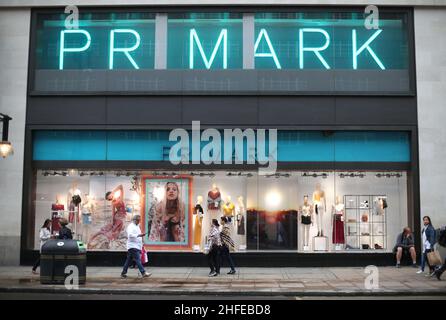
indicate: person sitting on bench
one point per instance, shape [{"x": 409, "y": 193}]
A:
[{"x": 405, "y": 246}]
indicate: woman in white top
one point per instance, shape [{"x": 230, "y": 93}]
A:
[{"x": 44, "y": 235}]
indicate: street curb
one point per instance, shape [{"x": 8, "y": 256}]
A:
[{"x": 225, "y": 292}]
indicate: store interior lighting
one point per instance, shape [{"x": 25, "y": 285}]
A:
[{"x": 5, "y": 146}]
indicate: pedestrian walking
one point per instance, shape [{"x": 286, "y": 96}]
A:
[
  {"x": 134, "y": 247},
  {"x": 441, "y": 242},
  {"x": 428, "y": 242},
  {"x": 214, "y": 244},
  {"x": 44, "y": 235},
  {"x": 227, "y": 244}
]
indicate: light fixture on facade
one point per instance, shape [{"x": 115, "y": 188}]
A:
[
  {"x": 5, "y": 146},
  {"x": 343, "y": 175},
  {"x": 389, "y": 175},
  {"x": 323, "y": 175},
  {"x": 239, "y": 174}
]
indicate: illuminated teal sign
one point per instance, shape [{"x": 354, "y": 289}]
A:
[{"x": 321, "y": 41}]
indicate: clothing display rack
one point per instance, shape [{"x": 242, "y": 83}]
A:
[{"x": 365, "y": 222}]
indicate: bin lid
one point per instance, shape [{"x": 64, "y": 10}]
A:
[{"x": 59, "y": 246}]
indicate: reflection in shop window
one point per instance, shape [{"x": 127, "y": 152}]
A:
[{"x": 298, "y": 211}]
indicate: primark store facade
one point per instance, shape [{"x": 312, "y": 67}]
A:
[{"x": 315, "y": 129}]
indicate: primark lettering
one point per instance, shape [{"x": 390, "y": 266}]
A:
[{"x": 316, "y": 52}]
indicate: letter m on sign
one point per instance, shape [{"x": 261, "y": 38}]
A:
[{"x": 194, "y": 39}]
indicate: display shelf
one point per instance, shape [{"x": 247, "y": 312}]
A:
[{"x": 358, "y": 208}]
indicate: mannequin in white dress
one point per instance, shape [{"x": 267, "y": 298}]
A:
[{"x": 319, "y": 204}]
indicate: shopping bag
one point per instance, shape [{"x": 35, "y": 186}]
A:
[
  {"x": 144, "y": 256},
  {"x": 206, "y": 248},
  {"x": 434, "y": 258}
]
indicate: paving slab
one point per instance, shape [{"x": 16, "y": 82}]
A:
[{"x": 247, "y": 281}]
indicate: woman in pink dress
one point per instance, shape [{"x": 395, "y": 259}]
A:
[{"x": 112, "y": 230}]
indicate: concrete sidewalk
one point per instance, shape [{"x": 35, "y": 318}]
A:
[{"x": 247, "y": 281}]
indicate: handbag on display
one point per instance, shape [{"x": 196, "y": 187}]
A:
[
  {"x": 434, "y": 258},
  {"x": 384, "y": 203},
  {"x": 365, "y": 217}
]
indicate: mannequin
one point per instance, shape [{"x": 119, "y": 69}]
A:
[
  {"x": 87, "y": 213},
  {"x": 338, "y": 221},
  {"x": 56, "y": 214},
  {"x": 241, "y": 211},
  {"x": 198, "y": 221},
  {"x": 319, "y": 208},
  {"x": 228, "y": 208},
  {"x": 214, "y": 198},
  {"x": 306, "y": 215},
  {"x": 74, "y": 208}
]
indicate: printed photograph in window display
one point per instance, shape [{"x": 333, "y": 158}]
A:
[
  {"x": 166, "y": 202},
  {"x": 104, "y": 220}
]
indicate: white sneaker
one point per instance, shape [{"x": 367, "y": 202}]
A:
[{"x": 420, "y": 271}]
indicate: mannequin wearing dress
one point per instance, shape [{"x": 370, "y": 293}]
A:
[
  {"x": 73, "y": 208},
  {"x": 319, "y": 204},
  {"x": 306, "y": 215},
  {"x": 338, "y": 222},
  {"x": 198, "y": 221},
  {"x": 240, "y": 219}
]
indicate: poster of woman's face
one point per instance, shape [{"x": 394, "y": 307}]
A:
[{"x": 166, "y": 212}]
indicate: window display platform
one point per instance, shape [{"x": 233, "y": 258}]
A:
[{"x": 245, "y": 259}]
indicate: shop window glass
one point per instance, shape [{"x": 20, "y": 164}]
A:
[{"x": 296, "y": 211}]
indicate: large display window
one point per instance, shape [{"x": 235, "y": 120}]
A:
[{"x": 296, "y": 211}]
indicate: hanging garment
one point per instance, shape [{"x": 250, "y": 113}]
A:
[
  {"x": 56, "y": 211},
  {"x": 198, "y": 225},
  {"x": 198, "y": 209},
  {"x": 214, "y": 200},
  {"x": 338, "y": 225},
  {"x": 241, "y": 225},
  {"x": 228, "y": 209}
]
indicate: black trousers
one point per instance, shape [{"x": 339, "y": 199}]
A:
[
  {"x": 442, "y": 268},
  {"x": 226, "y": 255},
  {"x": 214, "y": 259},
  {"x": 36, "y": 264}
]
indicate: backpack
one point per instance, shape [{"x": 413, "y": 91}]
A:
[{"x": 442, "y": 237}]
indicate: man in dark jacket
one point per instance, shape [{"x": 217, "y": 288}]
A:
[
  {"x": 441, "y": 242},
  {"x": 64, "y": 232},
  {"x": 405, "y": 245}
]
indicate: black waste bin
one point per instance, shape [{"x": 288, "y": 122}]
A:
[{"x": 56, "y": 255}]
